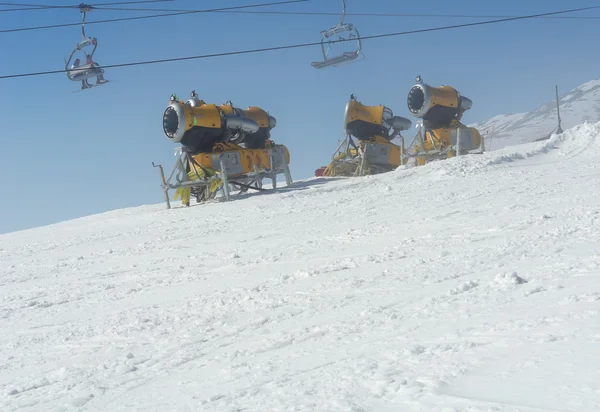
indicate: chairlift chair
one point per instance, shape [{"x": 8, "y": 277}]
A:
[
  {"x": 346, "y": 32},
  {"x": 84, "y": 71}
]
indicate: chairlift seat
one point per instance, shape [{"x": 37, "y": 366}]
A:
[
  {"x": 84, "y": 72},
  {"x": 336, "y": 61},
  {"x": 346, "y": 32}
]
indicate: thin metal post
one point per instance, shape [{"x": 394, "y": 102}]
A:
[
  {"x": 164, "y": 184},
  {"x": 559, "y": 130},
  {"x": 258, "y": 177},
  {"x": 286, "y": 170},
  {"x": 363, "y": 159},
  {"x": 225, "y": 179},
  {"x": 273, "y": 170},
  {"x": 402, "y": 151},
  {"x": 458, "y": 142}
]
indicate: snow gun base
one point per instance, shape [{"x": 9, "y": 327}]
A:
[
  {"x": 228, "y": 166},
  {"x": 368, "y": 157}
]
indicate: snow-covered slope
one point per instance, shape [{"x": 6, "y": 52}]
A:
[
  {"x": 580, "y": 105},
  {"x": 465, "y": 285}
]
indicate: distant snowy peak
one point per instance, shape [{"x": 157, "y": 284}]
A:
[{"x": 579, "y": 105}]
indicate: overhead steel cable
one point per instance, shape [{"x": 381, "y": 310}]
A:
[
  {"x": 49, "y": 7},
  {"x": 460, "y": 16},
  {"x": 153, "y": 16},
  {"x": 295, "y": 46},
  {"x": 331, "y": 13},
  {"x": 287, "y": 13}
]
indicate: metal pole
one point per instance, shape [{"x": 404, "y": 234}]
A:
[
  {"x": 273, "y": 170},
  {"x": 458, "y": 142},
  {"x": 559, "y": 130},
  {"x": 402, "y": 150},
  {"x": 225, "y": 179},
  {"x": 164, "y": 185},
  {"x": 286, "y": 170},
  {"x": 258, "y": 177}
]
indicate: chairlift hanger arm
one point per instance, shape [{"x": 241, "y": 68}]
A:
[{"x": 84, "y": 8}]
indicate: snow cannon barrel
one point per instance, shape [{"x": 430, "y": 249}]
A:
[
  {"x": 264, "y": 123},
  {"x": 438, "y": 105},
  {"x": 365, "y": 122}
]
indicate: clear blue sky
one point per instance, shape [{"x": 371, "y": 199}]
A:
[{"x": 66, "y": 155}]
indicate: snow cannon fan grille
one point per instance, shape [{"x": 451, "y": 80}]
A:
[
  {"x": 416, "y": 100},
  {"x": 170, "y": 122}
]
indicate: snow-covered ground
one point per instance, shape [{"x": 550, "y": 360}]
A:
[
  {"x": 470, "y": 285},
  {"x": 577, "y": 106}
]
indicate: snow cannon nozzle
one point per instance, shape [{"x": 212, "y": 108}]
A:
[{"x": 173, "y": 119}]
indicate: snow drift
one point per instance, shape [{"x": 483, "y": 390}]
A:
[{"x": 465, "y": 285}]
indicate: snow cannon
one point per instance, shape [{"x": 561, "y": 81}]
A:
[
  {"x": 366, "y": 122},
  {"x": 198, "y": 126},
  {"x": 441, "y": 109},
  {"x": 437, "y": 106},
  {"x": 222, "y": 147},
  {"x": 374, "y": 127}
]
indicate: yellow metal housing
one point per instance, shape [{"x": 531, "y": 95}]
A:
[
  {"x": 206, "y": 115},
  {"x": 227, "y": 109},
  {"x": 258, "y": 115},
  {"x": 358, "y": 111},
  {"x": 443, "y": 96},
  {"x": 248, "y": 158}
]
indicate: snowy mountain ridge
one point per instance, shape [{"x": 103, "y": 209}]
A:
[{"x": 577, "y": 106}]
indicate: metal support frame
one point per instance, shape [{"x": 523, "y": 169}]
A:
[
  {"x": 182, "y": 181},
  {"x": 437, "y": 153},
  {"x": 344, "y": 147},
  {"x": 360, "y": 161}
]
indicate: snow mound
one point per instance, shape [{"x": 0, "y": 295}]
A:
[{"x": 464, "y": 285}]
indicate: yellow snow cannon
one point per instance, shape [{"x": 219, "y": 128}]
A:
[
  {"x": 441, "y": 109},
  {"x": 224, "y": 141},
  {"x": 374, "y": 127}
]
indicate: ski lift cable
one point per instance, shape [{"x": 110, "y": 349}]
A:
[
  {"x": 459, "y": 16},
  {"x": 103, "y": 8},
  {"x": 51, "y": 7},
  {"x": 295, "y": 46},
  {"x": 282, "y": 13},
  {"x": 153, "y": 16}
]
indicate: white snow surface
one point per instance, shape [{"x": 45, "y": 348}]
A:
[
  {"x": 579, "y": 105},
  {"x": 471, "y": 284}
]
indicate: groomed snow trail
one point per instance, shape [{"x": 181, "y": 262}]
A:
[{"x": 471, "y": 284}]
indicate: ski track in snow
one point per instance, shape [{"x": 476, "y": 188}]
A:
[{"x": 464, "y": 285}]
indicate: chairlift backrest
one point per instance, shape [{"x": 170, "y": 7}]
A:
[{"x": 346, "y": 32}]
